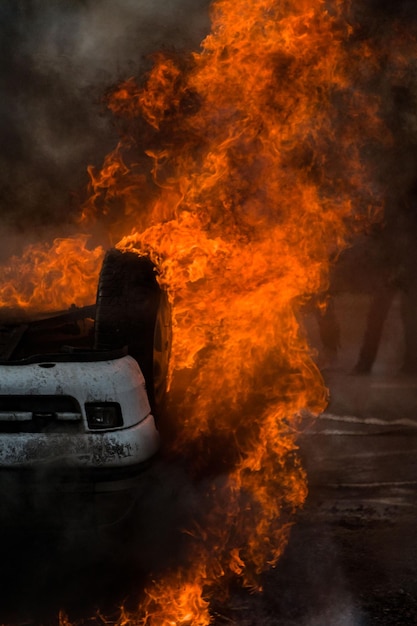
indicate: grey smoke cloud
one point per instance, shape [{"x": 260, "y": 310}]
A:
[
  {"x": 58, "y": 59},
  {"x": 98, "y": 40}
]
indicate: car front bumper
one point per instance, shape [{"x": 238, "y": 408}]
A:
[{"x": 110, "y": 450}]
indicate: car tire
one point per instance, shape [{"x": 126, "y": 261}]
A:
[{"x": 133, "y": 311}]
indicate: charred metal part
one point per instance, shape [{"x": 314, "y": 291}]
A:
[{"x": 12, "y": 342}]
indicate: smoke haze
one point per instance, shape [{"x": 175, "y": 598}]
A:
[{"x": 58, "y": 60}]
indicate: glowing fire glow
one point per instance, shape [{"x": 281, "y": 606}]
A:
[
  {"x": 51, "y": 278},
  {"x": 256, "y": 177}
]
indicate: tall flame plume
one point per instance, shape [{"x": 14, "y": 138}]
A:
[{"x": 242, "y": 170}]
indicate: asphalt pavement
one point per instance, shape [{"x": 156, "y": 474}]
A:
[{"x": 352, "y": 557}]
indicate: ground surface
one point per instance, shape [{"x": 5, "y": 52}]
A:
[{"x": 352, "y": 555}]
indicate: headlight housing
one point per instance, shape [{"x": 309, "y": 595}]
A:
[{"x": 103, "y": 415}]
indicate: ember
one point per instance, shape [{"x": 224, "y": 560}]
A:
[{"x": 241, "y": 171}]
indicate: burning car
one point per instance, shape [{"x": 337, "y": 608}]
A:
[{"x": 79, "y": 389}]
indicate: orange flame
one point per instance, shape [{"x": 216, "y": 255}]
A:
[
  {"x": 49, "y": 278},
  {"x": 254, "y": 174},
  {"x": 262, "y": 178}
]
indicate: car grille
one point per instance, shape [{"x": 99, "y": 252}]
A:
[{"x": 39, "y": 414}]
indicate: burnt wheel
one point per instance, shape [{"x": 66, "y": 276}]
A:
[{"x": 132, "y": 310}]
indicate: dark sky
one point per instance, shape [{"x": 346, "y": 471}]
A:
[{"x": 58, "y": 59}]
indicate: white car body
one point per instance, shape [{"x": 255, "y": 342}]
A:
[
  {"x": 75, "y": 415},
  {"x": 43, "y": 414}
]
